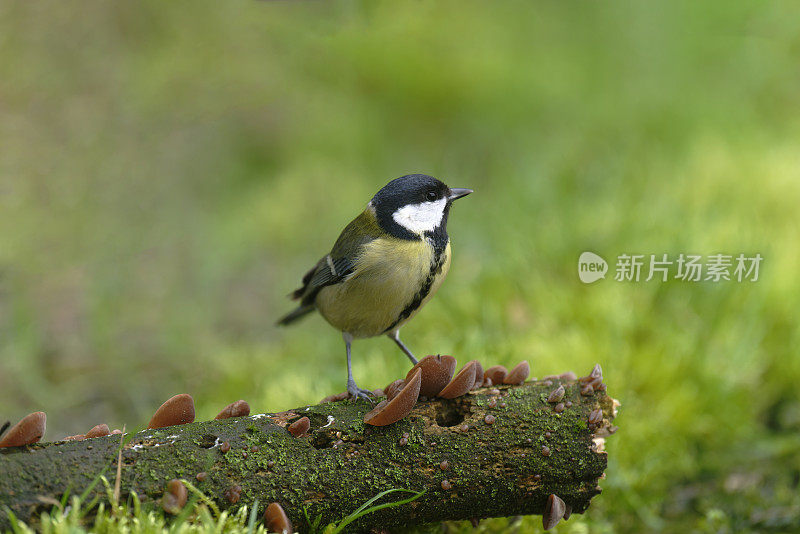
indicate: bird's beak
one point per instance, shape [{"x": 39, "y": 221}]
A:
[{"x": 458, "y": 193}]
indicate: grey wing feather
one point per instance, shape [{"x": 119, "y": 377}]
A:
[
  {"x": 336, "y": 266},
  {"x": 327, "y": 271}
]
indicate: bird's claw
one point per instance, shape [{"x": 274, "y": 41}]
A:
[{"x": 358, "y": 393}]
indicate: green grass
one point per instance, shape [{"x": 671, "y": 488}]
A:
[
  {"x": 200, "y": 514},
  {"x": 169, "y": 171}
]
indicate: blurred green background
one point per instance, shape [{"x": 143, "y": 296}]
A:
[{"x": 169, "y": 170}]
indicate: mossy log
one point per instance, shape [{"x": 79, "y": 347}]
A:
[{"x": 493, "y": 452}]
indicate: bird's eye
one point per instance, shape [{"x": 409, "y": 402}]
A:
[{"x": 431, "y": 195}]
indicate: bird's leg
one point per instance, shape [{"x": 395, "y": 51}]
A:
[
  {"x": 395, "y": 336},
  {"x": 354, "y": 391}
]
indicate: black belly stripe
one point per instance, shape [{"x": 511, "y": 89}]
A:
[{"x": 437, "y": 262}]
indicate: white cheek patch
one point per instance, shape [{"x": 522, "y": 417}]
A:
[{"x": 422, "y": 217}]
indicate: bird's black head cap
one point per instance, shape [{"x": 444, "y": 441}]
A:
[{"x": 410, "y": 190}]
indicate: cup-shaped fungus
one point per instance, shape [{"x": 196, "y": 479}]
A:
[
  {"x": 596, "y": 417},
  {"x": 478, "y": 375},
  {"x": 390, "y": 411},
  {"x": 177, "y": 410},
  {"x": 29, "y": 430},
  {"x": 299, "y": 427},
  {"x": 336, "y": 397},
  {"x": 239, "y": 408},
  {"x": 233, "y": 494},
  {"x": 98, "y": 431},
  {"x": 553, "y": 511},
  {"x": 174, "y": 498},
  {"x": 556, "y": 395},
  {"x": 436, "y": 373},
  {"x": 518, "y": 374},
  {"x": 394, "y": 388},
  {"x": 462, "y": 382},
  {"x": 496, "y": 373},
  {"x": 276, "y": 519},
  {"x": 594, "y": 378}
]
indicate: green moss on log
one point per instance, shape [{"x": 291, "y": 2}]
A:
[{"x": 495, "y": 469}]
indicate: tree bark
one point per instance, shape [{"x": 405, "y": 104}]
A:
[{"x": 493, "y": 452}]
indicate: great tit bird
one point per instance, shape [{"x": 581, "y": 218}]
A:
[{"x": 387, "y": 264}]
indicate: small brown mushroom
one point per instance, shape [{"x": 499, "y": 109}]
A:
[
  {"x": 174, "y": 498},
  {"x": 587, "y": 390},
  {"x": 76, "y": 437},
  {"x": 558, "y": 408},
  {"x": 388, "y": 412},
  {"x": 556, "y": 395},
  {"x": 597, "y": 371},
  {"x": 394, "y": 388},
  {"x": 335, "y": 397},
  {"x": 596, "y": 417},
  {"x": 518, "y": 374},
  {"x": 436, "y": 373},
  {"x": 299, "y": 427},
  {"x": 276, "y": 519},
  {"x": 177, "y": 410},
  {"x": 116, "y": 431},
  {"x": 98, "y": 431},
  {"x": 553, "y": 511},
  {"x": 478, "y": 374},
  {"x": 569, "y": 375},
  {"x": 496, "y": 373},
  {"x": 595, "y": 377},
  {"x": 233, "y": 494},
  {"x": 29, "y": 430},
  {"x": 462, "y": 382},
  {"x": 239, "y": 408}
]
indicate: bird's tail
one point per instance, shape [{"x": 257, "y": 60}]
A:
[{"x": 297, "y": 313}]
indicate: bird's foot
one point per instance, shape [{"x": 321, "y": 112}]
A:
[{"x": 358, "y": 393}]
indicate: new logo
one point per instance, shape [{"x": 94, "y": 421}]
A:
[{"x": 591, "y": 267}]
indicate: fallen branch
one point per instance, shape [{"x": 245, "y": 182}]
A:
[{"x": 493, "y": 452}]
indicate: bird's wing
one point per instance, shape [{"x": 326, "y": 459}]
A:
[
  {"x": 336, "y": 266},
  {"x": 329, "y": 270}
]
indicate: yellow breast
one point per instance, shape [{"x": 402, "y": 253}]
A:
[{"x": 393, "y": 278}]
